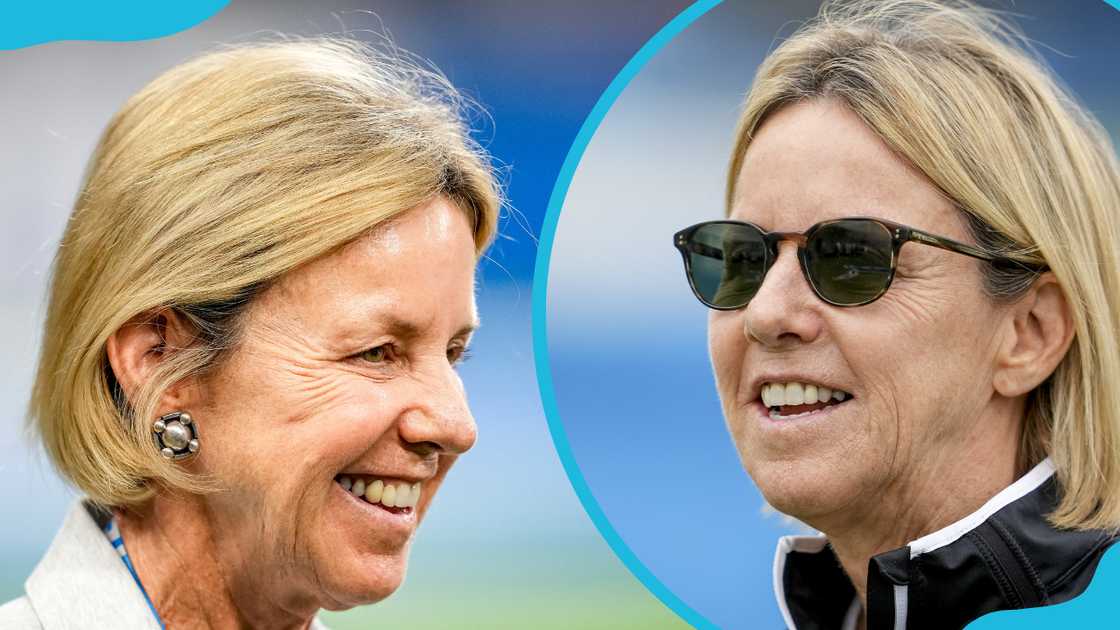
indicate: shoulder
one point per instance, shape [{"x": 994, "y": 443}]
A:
[
  {"x": 82, "y": 582},
  {"x": 19, "y": 615}
]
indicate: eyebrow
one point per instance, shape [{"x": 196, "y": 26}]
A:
[{"x": 406, "y": 329}]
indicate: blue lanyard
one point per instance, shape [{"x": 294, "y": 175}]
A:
[{"x": 113, "y": 533}]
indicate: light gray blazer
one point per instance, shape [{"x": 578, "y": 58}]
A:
[{"x": 82, "y": 583}]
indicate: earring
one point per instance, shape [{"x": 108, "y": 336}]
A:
[{"x": 175, "y": 435}]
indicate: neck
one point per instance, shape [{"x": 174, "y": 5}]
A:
[
  {"x": 938, "y": 488},
  {"x": 190, "y": 580}
]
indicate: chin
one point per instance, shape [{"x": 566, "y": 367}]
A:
[
  {"x": 804, "y": 489},
  {"x": 364, "y": 583}
]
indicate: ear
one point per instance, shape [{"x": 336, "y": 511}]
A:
[
  {"x": 1041, "y": 331},
  {"x": 136, "y": 349}
]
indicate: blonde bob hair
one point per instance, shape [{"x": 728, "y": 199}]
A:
[
  {"x": 954, "y": 90},
  {"x": 213, "y": 181}
]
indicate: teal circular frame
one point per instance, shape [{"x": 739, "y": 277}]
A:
[
  {"x": 1074, "y": 609},
  {"x": 540, "y": 303}
]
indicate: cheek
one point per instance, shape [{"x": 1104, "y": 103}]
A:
[
  {"x": 925, "y": 367},
  {"x": 726, "y": 347},
  {"x": 274, "y": 433},
  {"x": 432, "y": 486},
  {"x": 327, "y": 400}
]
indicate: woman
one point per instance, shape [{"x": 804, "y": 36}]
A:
[
  {"x": 915, "y": 303},
  {"x": 249, "y": 354}
]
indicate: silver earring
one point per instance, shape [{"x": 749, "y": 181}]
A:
[{"x": 175, "y": 435}]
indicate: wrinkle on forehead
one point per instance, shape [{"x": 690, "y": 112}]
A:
[{"x": 818, "y": 160}]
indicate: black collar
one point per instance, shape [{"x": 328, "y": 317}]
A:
[{"x": 1004, "y": 555}]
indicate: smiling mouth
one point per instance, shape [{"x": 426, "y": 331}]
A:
[
  {"x": 788, "y": 401},
  {"x": 398, "y": 498}
]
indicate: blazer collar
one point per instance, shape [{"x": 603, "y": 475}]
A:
[{"x": 81, "y": 577}]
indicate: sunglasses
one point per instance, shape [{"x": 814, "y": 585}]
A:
[{"x": 847, "y": 262}]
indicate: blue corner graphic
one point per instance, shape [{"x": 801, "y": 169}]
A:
[
  {"x": 30, "y": 23},
  {"x": 1092, "y": 609}
]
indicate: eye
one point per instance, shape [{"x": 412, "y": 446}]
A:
[
  {"x": 458, "y": 354},
  {"x": 377, "y": 354}
]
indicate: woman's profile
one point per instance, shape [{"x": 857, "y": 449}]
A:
[{"x": 249, "y": 357}]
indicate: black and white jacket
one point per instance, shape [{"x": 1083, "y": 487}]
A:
[{"x": 1003, "y": 556}]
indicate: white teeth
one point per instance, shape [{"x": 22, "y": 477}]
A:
[
  {"x": 777, "y": 395},
  {"x": 782, "y": 394},
  {"x": 374, "y": 490},
  {"x": 401, "y": 495},
  {"x": 795, "y": 394}
]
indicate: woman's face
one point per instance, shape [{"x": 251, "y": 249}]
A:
[
  {"x": 346, "y": 369},
  {"x": 917, "y": 363}
]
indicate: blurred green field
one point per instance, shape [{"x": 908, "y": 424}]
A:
[
  {"x": 542, "y": 585},
  {"x": 577, "y": 584},
  {"x": 508, "y": 606}
]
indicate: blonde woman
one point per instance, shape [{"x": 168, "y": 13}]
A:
[
  {"x": 249, "y": 355},
  {"x": 915, "y": 307}
]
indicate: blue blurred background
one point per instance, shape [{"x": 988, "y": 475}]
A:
[
  {"x": 626, "y": 339},
  {"x": 507, "y": 544}
]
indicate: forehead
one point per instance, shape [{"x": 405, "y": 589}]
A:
[
  {"x": 817, "y": 160},
  {"x": 417, "y": 268}
]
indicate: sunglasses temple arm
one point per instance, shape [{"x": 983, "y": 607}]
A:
[{"x": 949, "y": 244}]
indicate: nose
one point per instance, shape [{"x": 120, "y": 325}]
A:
[
  {"x": 439, "y": 421},
  {"x": 783, "y": 312}
]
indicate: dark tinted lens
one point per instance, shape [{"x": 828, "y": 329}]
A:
[
  {"x": 850, "y": 261},
  {"x": 727, "y": 263}
]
